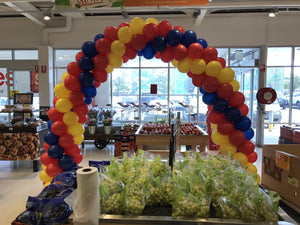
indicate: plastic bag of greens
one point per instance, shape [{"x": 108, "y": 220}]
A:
[
  {"x": 155, "y": 192},
  {"x": 228, "y": 208},
  {"x": 168, "y": 190}
]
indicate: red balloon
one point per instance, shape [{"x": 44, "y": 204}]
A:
[
  {"x": 150, "y": 31},
  {"x": 46, "y": 159},
  {"x": 53, "y": 169},
  {"x": 138, "y": 42},
  {"x": 244, "y": 109},
  {"x": 100, "y": 61},
  {"x": 198, "y": 80},
  {"x": 167, "y": 55},
  {"x": 125, "y": 60},
  {"x": 195, "y": 51},
  {"x": 97, "y": 84},
  {"x": 211, "y": 84},
  {"x": 190, "y": 74},
  {"x": 100, "y": 75},
  {"x": 66, "y": 141},
  {"x": 237, "y": 137},
  {"x": 55, "y": 115},
  {"x": 179, "y": 52},
  {"x": 72, "y": 83},
  {"x": 209, "y": 107},
  {"x": 76, "y": 98},
  {"x": 103, "y": 46},
  {"x": 125, "y": 24},
  {"x": 210, "y": 54},
  {"x": 59, "y": 128},
  {"x": 74, "y": 69},
  {"x": 225, "y": 90},
  {"x": 180, "y": 28},
  {"x": 82, "y": 119},
  {"x": 252, "y": 157},
  {"x": 55, "y": 99},
  {"x": 236, "y": 99},
  {"x": 247, "y": 147},
  {"x": 164, "y": 27},
  {"x": 79, "y": 55},
  {"x": 81, "y": 110},
  {"x": 215, "y": 117},
  {"x": 111, "y": 33},
  {"x": 77, "y": 158},
  {"x": 73, "y": 150},
  {"x": 157, "y": 55},
  {"x": 130, "y": 52},
  {"x": 225, "y": 127},
  {"x": 46, "y": 146},
  {"x": 222, "y": 62}
]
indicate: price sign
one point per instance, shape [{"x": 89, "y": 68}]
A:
[{"x": 283, "y": 161}]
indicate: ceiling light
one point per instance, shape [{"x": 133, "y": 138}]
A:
[
  {"x": 273, "y": 13},
  {"x": 47, "y": 17}
]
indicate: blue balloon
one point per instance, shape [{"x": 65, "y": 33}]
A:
[
  {"x": 88, "y": 48},
  {"x": 243, "y": 124},
  {"x": 209, "y": 98},
  {"x": 65, "y": 162},
  {"x": 88, "y": 101},
  {"x": 89, "y": 92},
  {"x": 50, "y": 138},
  {"x": 97, "y": 37},
  {"x": 249, "y": 134},
  {"x": 202, "y": 42},
  {"x": 201, "y": 89},
  {"x": 86, "y": 63},
  {"x": 55, "y": 151},
  {"x": 159, "y": 43},
  {"x": 86, "y": 79},
  {"x": 148, "y": 51},
  {"x": 140, "y": 52},
  {"x": 188, "y": 38},
  {"x": 174, "y": 37},
  {"x": 220, "y": 105},
  {"x": 49, "y": 124},
  {"x": 233, "y": 114}
]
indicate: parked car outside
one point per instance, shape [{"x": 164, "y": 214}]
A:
[
  {"x": 282, "y": 100},
  {"x": 272, "y": 113}
]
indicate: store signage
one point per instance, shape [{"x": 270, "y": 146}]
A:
[
  {"x": 266, "y": 95},
  {"x": 283, "y": 161},
  {"x": 66, "y": 4},
  {"x": 164, "y": 2},
  {"x": 44, "y": 68},
  {"x": 3, "y": 79},
  {"x": 34, "y": 82},
  {"x": 36, "y": 68}
]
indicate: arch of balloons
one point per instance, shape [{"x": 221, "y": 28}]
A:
[{"x": 150, "y": 38}]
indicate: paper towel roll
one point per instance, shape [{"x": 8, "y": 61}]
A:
[{"x": 86, "y": 211}]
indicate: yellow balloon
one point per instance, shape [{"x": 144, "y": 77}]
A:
[
  {"x": 151, "y": 20},
  {"x": 219, "y": 139},
  {"x": 117, "y": 48},
  {"x": 226, "y": 75},
  {"x": 109, "y": 69},
  {"x": 76, "y": 129},
  {"x": 251, "y": 168},
  {"x": 184, "y": 65},
  {"x": 198, "y": 66},
  {"x": 70, "y": 118},
  {"x": 225, "y": 148},
  {"x": 64, "y": 76},
  {"x": 258, "y": 178},
  {"x": 61, "y": 91},
  {"x": 235, "y": 84},
  {"x": 78, "y": 139},
  {"x": 63, "y": 105},
  {"x": 43, "y": 166},
  {"x": 174, "y": 62},
  {"x": 44, "y": 176},
  {"x": 242, "y": 157},
  {"x": 125, "y": 34},
  {"x": 136, "y": 25},
  {"x": 213, "y": 68},
  {"x": 114, "y": 60},
  {"x": 214, "y": 126},
  {"x": 46, "y": 184}
]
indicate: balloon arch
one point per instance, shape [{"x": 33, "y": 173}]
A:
[{"x": 226, "y": 109}]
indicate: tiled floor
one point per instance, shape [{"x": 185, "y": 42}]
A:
[{"x": 18, "y": 181}]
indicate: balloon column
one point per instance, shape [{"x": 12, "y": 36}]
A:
[{"x": 149, "y": 39}]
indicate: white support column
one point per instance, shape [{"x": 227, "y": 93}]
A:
[{"x": 46, "y": 78}]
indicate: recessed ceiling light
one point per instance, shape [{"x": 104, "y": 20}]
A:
[
  {"x": 47, "y": 17},
  {"x": 272, "y": 14}
]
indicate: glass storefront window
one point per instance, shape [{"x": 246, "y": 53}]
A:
[
  {"x": 279, "y": 56},
  {"x": 153, "y": 63},
  {"x": 132, "y": 63},
  {"x": 244, "y": 56},
  {"x": 5, "y": 55},
  {"x": 297, "y": 56},
  {"x": 223, "y": 53},
  {"x": 63, "y": 57},
  {"x": 26, "y": 54}
]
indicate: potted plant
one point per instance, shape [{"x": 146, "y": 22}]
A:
[
  {"x": 107, "y": 125},
  {"x": 92, "y": 124}
]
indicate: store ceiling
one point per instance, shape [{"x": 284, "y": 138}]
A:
[{"x": 35, "y": 10}]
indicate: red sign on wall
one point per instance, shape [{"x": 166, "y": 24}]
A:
[{"x": 34, "y": 82}]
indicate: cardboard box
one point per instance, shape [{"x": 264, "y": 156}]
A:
[{"x": 281, "y": 171}]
